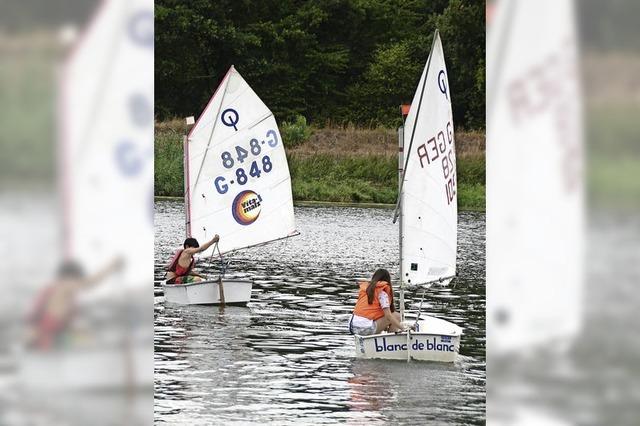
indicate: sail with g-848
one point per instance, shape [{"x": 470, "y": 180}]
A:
[
  {"x": 237, "y": 177},
  {"x": 237, "y": 185}
]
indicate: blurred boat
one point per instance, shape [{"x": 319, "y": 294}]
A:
[
  {"x": 99, "y": 369},
  {"x": 428, "y": 213},
  {"x": 237, "y": 185},
  {"x": 105, "y": 162}
]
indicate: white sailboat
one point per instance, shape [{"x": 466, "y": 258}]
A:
[
  {"x": 428, "y": 213},
  {"x": 106, "y": 186},
  {"x": 237, "y": 185}
]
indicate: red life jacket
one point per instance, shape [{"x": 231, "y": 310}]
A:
[
  {"x": 47, "y": 326},
  {"x": 174, "y": 267},
  {"x": 374, "y": 310}
]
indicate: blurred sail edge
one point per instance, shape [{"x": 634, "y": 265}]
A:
[{"x": 82, "y": 238}]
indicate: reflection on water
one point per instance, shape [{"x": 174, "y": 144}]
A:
[
  {"x": 288, "y": 358},
  {"x": 592, "y": 380}
]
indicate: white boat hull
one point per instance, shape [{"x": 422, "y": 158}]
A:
[
  {"x": 88, "y": 369},
  {"x": 236, "y": 292},
  {"x": 434, "y": 340}
]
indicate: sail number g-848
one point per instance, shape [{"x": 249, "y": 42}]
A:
[
  {"x": 254, "y": 169},
  {"x": 441, "y": 148}
]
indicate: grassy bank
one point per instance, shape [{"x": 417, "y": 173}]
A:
[{"x": 348, "y": 165}]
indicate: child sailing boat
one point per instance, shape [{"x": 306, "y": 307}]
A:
[{"x": 180, "y": 268}]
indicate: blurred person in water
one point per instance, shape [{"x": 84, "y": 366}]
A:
[
  {"x": 374, "y": 311},
  {"x": 180, "y": 267},
  {"x": 54, "y": 307}
]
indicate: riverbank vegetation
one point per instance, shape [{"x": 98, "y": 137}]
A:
[
  {"x": 335, "y": 163},
  {"x": 333, "y": 73}
]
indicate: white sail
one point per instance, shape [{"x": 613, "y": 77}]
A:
[
  {"x": 106, "y": 149},
  {"x": 535, "y": 217},
  {"x": 238, "y": 183},
  {"x": 428, "y": 195}
]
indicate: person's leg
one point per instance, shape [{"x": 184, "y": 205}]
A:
[
  {"x": 381, "y": 325},
  {"x": 393, "y": 328}
]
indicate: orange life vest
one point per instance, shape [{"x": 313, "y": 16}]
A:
[{"x": 372, "y": 311}]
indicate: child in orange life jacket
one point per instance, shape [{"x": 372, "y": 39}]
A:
[
  {"x": 179, "y": 270},
  {"x": 374, "y": 311}
]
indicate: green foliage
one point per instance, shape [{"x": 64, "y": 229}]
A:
[
  {"x": 609, "y": 25},
  {"x": 463, "y": 41},
  {"x": 472, "y": 169},
  {"x": 296, "y": 132},
  {"x": 168, "y": 176},
  {"x": 348, "y": 177},
  {"x": 471, "y": 196},
  {"x": 26, "y": 118},
  {"x": 329, "y": 60}
]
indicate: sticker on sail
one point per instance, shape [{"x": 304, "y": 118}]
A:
[{"x": 246, "y": 207}]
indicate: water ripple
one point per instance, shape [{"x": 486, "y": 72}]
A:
[{"x": 287, "y": 359}]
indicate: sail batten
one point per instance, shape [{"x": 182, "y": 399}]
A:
[
  {"x": 428, "y": 196},
  {"x": 241, "y": 189}
]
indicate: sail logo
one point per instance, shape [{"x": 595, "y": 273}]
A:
[
  {"x": 230, "y": 118},
  {"x": 246, "y": 207},
  {"x": 442, "y": 83}
]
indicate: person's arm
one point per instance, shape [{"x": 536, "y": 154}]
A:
[
  {"x": 392, "y": 319},
  {"x": 117, "y": 263},
  {"x": 203, "y": 247}
]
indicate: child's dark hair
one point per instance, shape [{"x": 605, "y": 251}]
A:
[
  {"x": 191, "y": 242},
  {"x": 70, "y": 269},
  {"x": 379, "y": 275}
]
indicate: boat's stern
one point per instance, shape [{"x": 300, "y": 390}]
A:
[{"x": 433, "y": 340}]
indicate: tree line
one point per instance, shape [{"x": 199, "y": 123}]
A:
[{"x": 331, "y": 61}]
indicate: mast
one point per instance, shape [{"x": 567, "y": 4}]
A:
[
  {"x": 185, "y": 171},
  {"x": 404, "y": 111},
  {"x": 400, "y": 174}
]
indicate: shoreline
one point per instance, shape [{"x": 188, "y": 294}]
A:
[{"x": 309, "y": 203}]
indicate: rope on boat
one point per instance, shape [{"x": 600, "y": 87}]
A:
[
  {"x": 222, "y": 271},
  {"x": 409, "y": 345},
  {"x": 223, "y": 267},
  {"x": 424, "y": 291},
  {"x": 415, "y": 324}
]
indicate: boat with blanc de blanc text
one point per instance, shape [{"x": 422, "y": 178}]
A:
[{"x": 427, "y": 211}]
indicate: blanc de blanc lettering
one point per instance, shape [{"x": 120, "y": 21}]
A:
[{"x": 417, "y": 345}]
